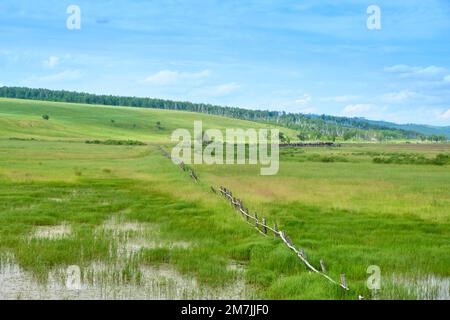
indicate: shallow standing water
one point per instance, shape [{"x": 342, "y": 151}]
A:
[
  {"x": 100, "y": 281},
  {"x": 119, "y": 278}
]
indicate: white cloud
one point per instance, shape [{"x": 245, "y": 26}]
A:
[
  {"x": 67, "y": 75},
  {"x": 399, "y": 97},
  {"x": 345, "y": 98},
  {"x": 355, "y": 109},
  {"x": 445, "y": 114},
  {"x": 413, "y": 71},
  {"x": 305, "y": 99},
  {"x": 225, "y": 89},
  {"x": 168, "y": 77},
  {"x": 447, "y": 78},
  {"x": 51, "y": 62}
]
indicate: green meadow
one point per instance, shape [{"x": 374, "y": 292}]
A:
[{"x": 122, "y": 204}]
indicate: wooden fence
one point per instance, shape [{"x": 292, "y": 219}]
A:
[
  {"x": 310, "y": 144},
  {"x": 263, "y": 227}
]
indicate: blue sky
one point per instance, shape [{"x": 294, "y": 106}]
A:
[{"x": 299, "y": 56}]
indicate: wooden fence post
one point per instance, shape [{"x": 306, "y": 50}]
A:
[
  {"x": 343, "y": 281},
  {"x": 322, "y": 265},
  {"x": 264, "y": 226},
  {"x": 256, "y": 220},
  {"x": 289, "y": 241},
  {"x": 247, "y": 214},
  {"x": 275, "y": 230},
  {"x": 303, "y": 253}
]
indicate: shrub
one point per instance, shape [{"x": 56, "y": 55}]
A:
[
  {"x": 117, "y": 142},
  {"x": 401, "y": 158},
  {"x": 442, "y": 159},
  {"x": 45, "y": 117}
]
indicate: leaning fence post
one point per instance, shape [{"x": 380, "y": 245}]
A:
[
  {"x": 289, "y": 241},
  {"x": 322, "y": 265},
  {"x": 256, "y": 220},
  {"x": 343, "y": 281},
  {"x": 302, "y": 253},
  {"x": 264, "y": 225},
  {"x": 247, "y": 215},
  {"x": 275, "y": 230}
]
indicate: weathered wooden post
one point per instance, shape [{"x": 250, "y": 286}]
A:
[
  {"x": 256, "y": 220},
  {"x": 303, "y": 253},
  {"x": 322, "y": 265},
  {"x": 343, "y": 281},
  {"x": 264, "y": 226},
  {"x": 289, "y": 241},
  {"x": 247, "y": 215},
  {"x": 275, "y": 230}
]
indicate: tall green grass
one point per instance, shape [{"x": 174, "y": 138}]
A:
[{"x": 335, "y": 203}]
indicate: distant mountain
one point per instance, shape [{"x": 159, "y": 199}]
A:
[
  {"x": 308, "y": 127},
  {"x": 421, "y": 128}
]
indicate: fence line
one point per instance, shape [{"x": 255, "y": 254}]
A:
[
  {"x": 311, "y": 144},
  {"x": 238, "y": 205},
  {"x": 181, "y": 164}
]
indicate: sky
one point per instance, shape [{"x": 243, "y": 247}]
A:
[{"x": 307, "y": 56}]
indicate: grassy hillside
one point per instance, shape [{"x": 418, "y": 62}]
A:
[
  {"x": 23, "y": 119},
  {"x": 307, "y": 127},
  {"x": 126, "y": 214}
]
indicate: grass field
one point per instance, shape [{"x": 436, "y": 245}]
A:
[{"x": 125, "y": 214}]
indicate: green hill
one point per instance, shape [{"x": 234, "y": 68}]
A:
[
  {"x": 306, "y": 127},
  {"x": 69, "y": 121}
]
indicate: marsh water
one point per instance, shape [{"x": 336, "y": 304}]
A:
[
  {"x": 100, "y": 281},
  {"x": 106, "y": 280}
]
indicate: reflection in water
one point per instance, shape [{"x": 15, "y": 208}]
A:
[
  {"x": 429, "y": 287},
  {"x": 100, "y": 281},
  {"x": 122, "y": 277}
]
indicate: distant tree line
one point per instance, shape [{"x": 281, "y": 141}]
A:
[{"x": 309, "y": 127}]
